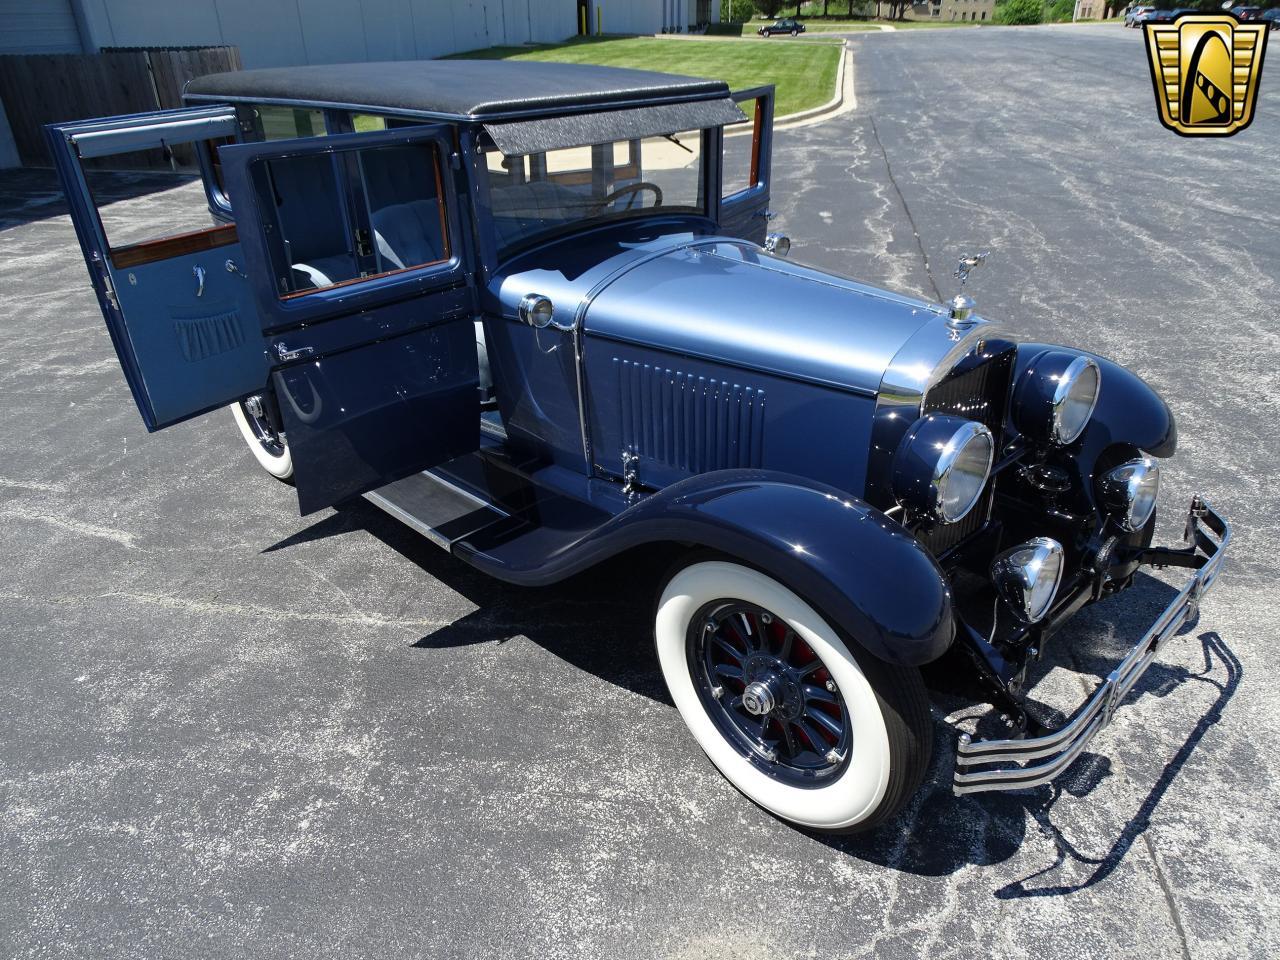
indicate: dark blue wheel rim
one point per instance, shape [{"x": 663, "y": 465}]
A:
[
  {"x": 267, "y": 437},
  {"x": 804, "y": 738}
]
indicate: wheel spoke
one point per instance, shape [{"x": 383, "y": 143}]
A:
[
  {"x": 820, "y": 694},
  {"x": 793, "y": 748},
  {"x": 787, "y": 637},
  {"x": 731, "y": 624},
  {"x": 728, "y": 670},
  {"x": 827, "y": 722},
  {"x": 727, "y": 647},
  {"x": 816, "y": 740},
  {"x": 808, "y": 668}
]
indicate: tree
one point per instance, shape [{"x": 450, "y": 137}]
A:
[
  {"x": 768, "y": 8},
  {"x": 1060, "y": 11},
  {"x": 1020, "y": 11},
  {"x": 736, "y": 11}
]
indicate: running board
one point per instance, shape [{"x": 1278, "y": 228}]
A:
[{"x": 436, "y": 508}]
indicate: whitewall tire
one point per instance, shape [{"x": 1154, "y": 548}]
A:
[
  {"x": 271, "y": 450},
  {"x": 842, "y": 739}
]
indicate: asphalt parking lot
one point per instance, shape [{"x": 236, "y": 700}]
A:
[{"x": 228, "y": 731}]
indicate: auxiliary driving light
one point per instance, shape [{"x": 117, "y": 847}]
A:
[
  {"x": 942, "y": 465},
  {"x": 1055, "y": 397},
  {"x": 1027, "y": 577},
  {"x": 1129, "y": 492}
]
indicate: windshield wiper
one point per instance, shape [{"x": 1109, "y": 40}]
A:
[{"x": 672, "y": 138}]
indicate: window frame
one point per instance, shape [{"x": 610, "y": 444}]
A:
[
  {"x": 707, "y": 177},
  {"x": 358, "y": 293}
]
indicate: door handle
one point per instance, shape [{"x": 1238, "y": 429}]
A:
[
  {"x": 199, "y": 272},
  {"x": 285, "y": 354}
]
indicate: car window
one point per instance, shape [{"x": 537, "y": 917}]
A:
[
  {"x": 332, "y": 218},
  {"x": 739, "y": 162},
  {"x": 286, "y": 123},
  {"x": 538, "y": 194}
]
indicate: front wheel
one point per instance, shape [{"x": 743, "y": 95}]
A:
[
  {"x": 805, "y": 723},
  {"x": 268, "y": 446}
]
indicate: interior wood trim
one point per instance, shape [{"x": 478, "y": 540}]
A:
[{"x": 166, "y": 248}]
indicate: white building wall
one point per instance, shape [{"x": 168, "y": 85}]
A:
[{"x": 287, "y": 32}]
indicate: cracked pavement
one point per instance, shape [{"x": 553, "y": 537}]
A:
[{"x": 228, "y": 731}]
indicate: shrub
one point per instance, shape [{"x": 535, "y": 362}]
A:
[{"x": 1020, "y": 11}]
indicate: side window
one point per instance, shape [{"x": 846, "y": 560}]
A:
[
  {"x": 180, "y": 226},
  {"x": 286, "y": 123},
  {"x": 740, "y": 163},
  {"x": 336, "y": 217}
]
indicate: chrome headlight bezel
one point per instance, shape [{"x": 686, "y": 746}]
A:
[
  {"x": 1129, "y": 492},
  {"x": 1047, "y": 398},
  {"x": 1027, "y": 577},
  {"x": 937, "y": 452}
]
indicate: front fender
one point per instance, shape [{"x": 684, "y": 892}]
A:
[
  {"x": 849, "y": 560},
  {"x": 1129, "y": 410}
]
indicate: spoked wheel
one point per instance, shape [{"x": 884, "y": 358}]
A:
[
  {"x": 797, "y": 717},
  {"x": 768, "y": 692},
  {"x": 269, "y": 446}
]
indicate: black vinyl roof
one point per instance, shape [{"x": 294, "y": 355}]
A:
[{"x": 470, "y": 89}]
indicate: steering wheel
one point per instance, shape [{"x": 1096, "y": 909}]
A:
[{"x": 630, "y": 190}]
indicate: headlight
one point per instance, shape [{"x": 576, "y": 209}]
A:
[
  {"x": 1027, "y": 577},
  {"x": 942, "y": 466},
  {"x": 1129, "y": 492},
  {"x": 1056, "y": 396}
]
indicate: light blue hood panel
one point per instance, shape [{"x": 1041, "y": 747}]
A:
[{"x": 729, "y": 302}]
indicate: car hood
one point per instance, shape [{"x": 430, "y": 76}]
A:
[{"x": 731, "y": 302}]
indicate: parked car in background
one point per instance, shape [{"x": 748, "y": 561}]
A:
[
  {"x": 1149, "y": 15},
  {"x": 1272, "y": 17},
  {"x": 1133, "y": 13},
  {"x": 1168, "y": 16},
  {"x": 785, "y": 25},
  {"x": 530, "y": 310},
  {"x": 1246, "y": 13}
]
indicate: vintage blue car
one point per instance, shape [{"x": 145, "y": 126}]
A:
[{"x": 531, "y": 310}]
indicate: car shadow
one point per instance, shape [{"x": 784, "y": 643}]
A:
[
  {"x": 31, "y": 194},
  {"x": 599, "y": 622}
]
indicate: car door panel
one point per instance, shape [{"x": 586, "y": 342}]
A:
[
  {"x": 388, "y": 382},
  {"x": 376, "y": 378},
  {"x": 381, "y": 412},
  {"x": 191, "y": 342}
]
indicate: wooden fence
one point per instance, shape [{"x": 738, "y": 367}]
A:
[{"x": 48, "y": 88}]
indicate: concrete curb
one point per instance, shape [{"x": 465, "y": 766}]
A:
[{"x": 844, "y": 101}]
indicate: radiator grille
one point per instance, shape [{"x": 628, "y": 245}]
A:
[
  {"x": 977, "y": 390},
  {"x": 689, "y": 422}
]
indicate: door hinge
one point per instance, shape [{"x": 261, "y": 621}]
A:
[{"x": 108, "y": 287}]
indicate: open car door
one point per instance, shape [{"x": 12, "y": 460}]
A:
[
  {"x": 340, "y": 293},
  {"x": 748, "y": 148}
]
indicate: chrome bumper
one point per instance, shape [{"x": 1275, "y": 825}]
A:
[{"x": 1005, "y": 762}]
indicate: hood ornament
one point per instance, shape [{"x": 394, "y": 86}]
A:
[{"x": 961, "y": 306}]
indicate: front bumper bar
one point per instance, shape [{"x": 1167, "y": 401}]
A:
[{"x": 986, "y": 765}]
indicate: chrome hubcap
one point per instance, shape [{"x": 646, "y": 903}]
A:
[{"x": 760, "y": 696}]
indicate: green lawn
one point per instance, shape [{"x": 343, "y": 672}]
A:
[{"x": 804, "y": 73}]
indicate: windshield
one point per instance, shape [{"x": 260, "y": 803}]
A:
[{"x": 534, "y": 195}]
